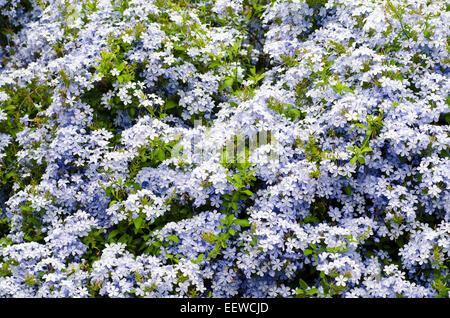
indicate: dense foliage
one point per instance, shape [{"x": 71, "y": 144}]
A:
[{"x": 117, "y": 177}]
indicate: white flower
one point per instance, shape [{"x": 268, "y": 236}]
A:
[
  {"x": 341, "y": 280},
  {"x": 115, "y": 72},
  {"x": 127, "y": 38}
]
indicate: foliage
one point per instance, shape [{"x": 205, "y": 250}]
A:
[{"x": 243, "y": 148}]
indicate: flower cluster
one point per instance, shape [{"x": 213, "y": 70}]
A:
[{"x": 245, "y": 148}]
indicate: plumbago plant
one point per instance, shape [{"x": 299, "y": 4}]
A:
[{"x": 245, "y": 148}]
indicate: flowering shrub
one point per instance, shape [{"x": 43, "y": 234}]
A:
[{"x": 245, "y": 148}]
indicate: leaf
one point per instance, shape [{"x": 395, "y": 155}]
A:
[
  {"x": 34, "y": 221},
  {"x": 366, "y": 149},
  {"x": 237, "y": 178},
  {"x": 361, "y": 160},
  {"x": 325, "y": 285},
  {"x": 160, "y": 154},
  {"x": 447, "y": 118},
  {"x": 307, "y": 252},
  {"x": 138, "y": 222},
  {"x": 294, "y": 113},
  {"x": 157, "y": 244},
  {"x": 347, "y": 189},
  {"x": 181, "y": 48},
  {"x": 10, "y": 174},
  {"x": 353, "y": 160},
  {"x": 26, "y": 208},
  {"x": 112, "y": 234},
  {"x": 123, "y": 238},
  {"x": 229, "y": 219},
  {"x": 235, "y": 197},
  {"x": 303, "y": 284},
  {"x": 228, "y": 82},
  {"x": 242, "y": 222},
  {"x": 171, "y": 104},
  {"x": 173, "y": 238},
  {"x": 312, "y": 291}
]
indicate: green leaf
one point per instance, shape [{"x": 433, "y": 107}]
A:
[
  {"x": 10, "y": 174},
  {"x": 235, "y": 197},
  {"x": 112, "y": 234},
  {"x": 171, "y": 104},
  {"x": 366, "y": 149},
  {"x": 303, "y": 284},
  {"x": 325, "y": 285},
  {"x": 307, "y": 252},
  {"x": 26, "y": 208},
  {"x": 242, "y": 222},
  {"x": 347, "y": 189},
  {"x": 353, "y": 160},
  {"x": 181, "y": 48},
  {"x": 173, "y": 238},
  {"x": 361, "y": 160},
  {"x": 229, "y": 219},
  {"x": 237, "y": 178},
  {"x": 157, "y": 244},
  {"x": 299, "y": 291},
  {"x": 228, "y": 82},
  {"x": 312, "y": 291},
  {"x": 160, "y": 154},
  {"x": 447, "y": 118},
  {"x": 138, "y": 222},
  {"x": 124, "y": 238},
  {"x": 112, "y": 202}
]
